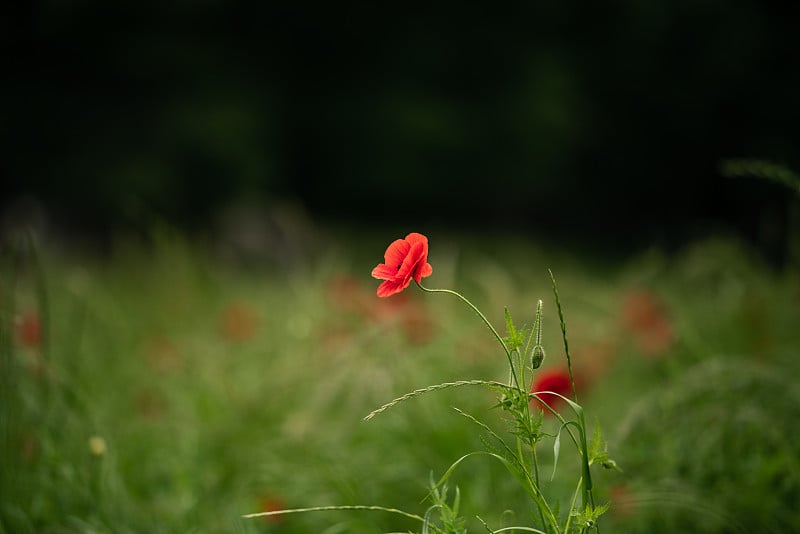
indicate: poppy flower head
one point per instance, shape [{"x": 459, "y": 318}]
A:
[
  {"x": 404, "y": 259},
  {"x": 555, "y": 380}
]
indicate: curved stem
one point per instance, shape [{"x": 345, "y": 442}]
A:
[
  {"x": 335, "y": 508},
  {"x": 485, "y": 321}
]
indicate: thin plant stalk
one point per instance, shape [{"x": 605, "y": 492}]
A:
[
  {"x": 485, "y": 321},
  {"x": 564, "y": 335}
]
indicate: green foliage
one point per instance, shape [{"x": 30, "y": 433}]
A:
[
  {"x": 598, "y": 450},
  {"x": 588, "y": 517},
  {"x": 200, "y": 428},
  {"x": 515, "y": 339},
  {"x": 450, "y": 520},
  {"x": 521, "y": 460}
]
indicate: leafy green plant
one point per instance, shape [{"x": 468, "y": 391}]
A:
[
  {"x": 523, "y": 409},
  {"x": 147, "y": 401}
]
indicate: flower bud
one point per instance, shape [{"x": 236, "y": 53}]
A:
[{"x": 537, "y": 357}]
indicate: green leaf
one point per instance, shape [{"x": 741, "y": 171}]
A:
[
  {"x": 589, "y": 516},
  {"x": 510, "y": 324},
  {"x": 514, "y": 339},
  {"x": 598, "y": 450},
  {"x": 556, "y": 450},
  {"x": 596, "y": 446}
]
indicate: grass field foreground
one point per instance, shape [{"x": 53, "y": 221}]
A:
[{"x": 162, "y": 389}]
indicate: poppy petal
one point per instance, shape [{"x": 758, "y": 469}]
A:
[
  {"x": 425, "y": 270},
  {"x": 390, "y": 287},
  {"x": 414, "y": 238},
  {"x": 411, "y": 260},
  {"x": 396, "y": 253},
  {"x": 384, "y": 272}
]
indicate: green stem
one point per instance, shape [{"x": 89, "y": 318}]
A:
[
  {"x": 336, "y": 508},
  {"x": 513, "y": 464},
  {"x": 588, "y": 495},
  {"x": 535, "y": 463},
  {"x": 564, "y": 335},
  {"x": 485, "y": 321},
  {"x": 580, "y": 424},
  {"x": 572, "y": 505}
]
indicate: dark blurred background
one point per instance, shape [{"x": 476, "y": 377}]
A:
[{"x": 601, "y": 124}]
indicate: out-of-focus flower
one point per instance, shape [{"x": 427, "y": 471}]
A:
[
  {"x": 404, "y": 259},
  {"x": 354, "y": 305},
  {"x": 28, "y": 330},
  {"x": 623, "y": 502},
  {"x": 553, "y": 379},
  {"x": 411, "y": 314},
  {"x": 163, "y": 356},
  {"x": 594, "y": 358},
  {"x": 645, "y": 318},
  {"x": 238, "y": 322},
  {"x": 346, "y": 295}
]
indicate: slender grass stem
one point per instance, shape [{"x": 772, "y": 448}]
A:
[
  {"x": 420, "y": 391},
  {"x": 337, "y": 508},
  {"x": 535, "y": 469},
  {"x": 564, "y": 335},
  {"x": 572, "y": 504}
]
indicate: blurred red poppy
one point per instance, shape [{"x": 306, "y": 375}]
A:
[
  {"x": 410, "y": 313},
  {"x": 238, "y": 322},
  {"x": 623, "y": 501},
  {"x": 28, "y": 330},
  {"x": 555, "y": 380},
  {"x": 163, "y": 355},
  {"x": 404, "y": 259},
  {"x": 354, "y": 305},
  {"x": 346, "y": 295},
  {"x": 644, "y": 316}
]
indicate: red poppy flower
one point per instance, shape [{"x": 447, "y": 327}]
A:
[
  {"x": 405, "y": 259},
  {"x": 555, "y": 380}
]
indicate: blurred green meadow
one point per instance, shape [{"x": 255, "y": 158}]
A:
[{"x": 165, "y": 387}]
